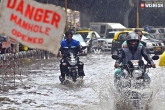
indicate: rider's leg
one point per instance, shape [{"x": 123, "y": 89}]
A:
[
  {"x": 117, "y": 72},
  {"x": 63, "y": 69},
  {"x": 81, "y": 69},
  {"x": 147, "y": 78}
]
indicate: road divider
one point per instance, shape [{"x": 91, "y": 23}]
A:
[{"x": 38, "y": 54}]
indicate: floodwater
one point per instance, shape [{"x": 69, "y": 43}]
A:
[{"x": 39, "y": 88}]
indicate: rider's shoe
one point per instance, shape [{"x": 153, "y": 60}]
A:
[
  {"x": 81, "y": 77},
  {"x": 67, "y": 77},
  {"x": 62, "y": 80}
]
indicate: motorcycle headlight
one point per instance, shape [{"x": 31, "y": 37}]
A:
[
  {"x": 149, "y": 44},
  {"x": 137, "y": 73},
  {"x": 72, "y": 61}
]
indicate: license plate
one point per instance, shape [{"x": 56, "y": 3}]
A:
[{"x": 158, "y": 48}]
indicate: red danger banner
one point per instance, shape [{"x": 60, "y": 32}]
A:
[{"x": 33, "y": 24}]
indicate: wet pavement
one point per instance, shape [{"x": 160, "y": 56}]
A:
[{"x": 39, "y": 87}]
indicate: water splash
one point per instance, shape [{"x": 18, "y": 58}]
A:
[
  {"x": 158, "y": 99},
  {"x": 105, "y": 91},
  {"x": 110, "y": 100}
]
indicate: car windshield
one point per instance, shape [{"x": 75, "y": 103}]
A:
[
  {"x": 152, "y": 31},
  {"x": 163, "y": 36},
  {"x": 145, "y": 38},
  {"x": 98, "y": 36},
  {"x": 84, "y": 35},
  {"x": 162, "y": 30},
  {"x": 78, "y": 37},
  {"x": 110, "y": 35},
  {"x": 148, "y": 36}
]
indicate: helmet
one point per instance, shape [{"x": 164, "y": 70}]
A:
[{"x": 133, "y": 37}]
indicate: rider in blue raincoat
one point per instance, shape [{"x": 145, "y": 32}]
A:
[{"x": 69, "y": 44}]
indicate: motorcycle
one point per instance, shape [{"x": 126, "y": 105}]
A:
[
  {"x": 132, "y": 85},
  {"x": 72, "y": 61}
]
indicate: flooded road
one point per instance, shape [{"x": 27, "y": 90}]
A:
[{"x": 43, "y": 90}]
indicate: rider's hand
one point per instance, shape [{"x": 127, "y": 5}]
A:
[
  {"x": 125, "y": 46},
  {"x": 60, "y": 55},
  {"x": 153, "y": 65},
  {"x": 82, "y": 53},
  {"x": 116, "y": 65}
]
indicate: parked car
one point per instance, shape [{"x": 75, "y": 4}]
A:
[
  {"x": 108, "y": 40},
  {"x": 102, "y": 28},
  {"x": 156, "y": 32},
  {"x": 162, "y": 30},
  {"x": 153, "y": 46},
  {"x": 163, "y": 38},
  {"x": 90, "y": 37},
  {"x": 83, "y": 44}
]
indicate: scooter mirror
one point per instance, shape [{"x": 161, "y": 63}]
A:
[
  {"x": 83, "y": 48},
  {"x": 115, "y": 57},
  {"x": 155, "y": 57}
]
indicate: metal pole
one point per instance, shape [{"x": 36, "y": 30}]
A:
[
  {"x": 66, "y": 26},
  {"x": 126, "y": 17},
  {"x": 137, "y": 13}
]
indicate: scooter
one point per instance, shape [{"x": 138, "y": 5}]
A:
[
  {"x": 132, "y": 85},
  {"x": 72, "y": 61}
]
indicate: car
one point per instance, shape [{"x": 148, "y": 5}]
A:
[
  {"x": 152, "y": 46},
  {"x": 102, "y": 28},
  {"x": 156, "y": 32},
  {"x": 90, "y": 37},
  {"x": 162, "y": 30},
  {"x": 163, "y": 38},
  {"x": 108, "y": 39},
  {"x": 83, "y": 44}
]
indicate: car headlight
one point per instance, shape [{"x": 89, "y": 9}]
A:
[
  {"x": 149, "y": 44},
  {"x": 162, "y": 44}
]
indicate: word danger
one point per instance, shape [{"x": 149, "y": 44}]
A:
[
  {"x": 35, "y": 14},
  {"x": 26, "y": 38},
  {"x": 154, "y": 4}
]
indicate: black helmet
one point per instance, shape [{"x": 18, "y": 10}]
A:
[{"x": 133, "y": 37}]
